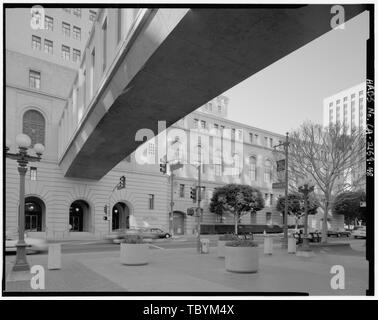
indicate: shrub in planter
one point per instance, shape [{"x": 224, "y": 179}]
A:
[
  {"x": 242, "y": 256},
  {"x": 222, "y": 241},
  {"x": 134, "y": 251}
]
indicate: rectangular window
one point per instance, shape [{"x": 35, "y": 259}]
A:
[
  {"x": 271, "y": 142},
  {"x": 76, "y": 55},
  {"x": 34, "y": 79},
  {"x": 196, "y": 123},
  {"x": 345, "y": 99},
  {"x": 269, "y": 218},
  {"x": 48, "y": 46},
  {"x": 266, "y": 141},
  {"x": 151, "y": 201},
  {"x": 104, "y": 46},
  {"x": 203, "y": 124},
  {"x": 49, "y": 23},
  {"x": 66, "y": 29},
  {"x": 65, "y": 52},
  {"x": 119, "y": 25},
  {"x": 92, "y": 15},
  {"x": 271, "y": 200},
  {"x": 240, "y": 134},
  {"x": 256, "y": 138},
  {"x": 217, "y": 169},
  {"x": 93, "y": 55},
  {"x": 182, "y": 190},
  {"x": 36, "y": 43},
  {"x": 219, "y": 108},
  {"x": 76, "y": 32},
  {"x": 33, "y": 173},
  {"x": 77, "y": 12},
  {"x": 251, "y": 137}
]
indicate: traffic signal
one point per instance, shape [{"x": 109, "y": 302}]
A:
[
  {"x": 122, "y": 183},
  {"x": 106, "y": 209},
  {"x": 193, "y": 193},
  {"x": 163, "y": 168}
]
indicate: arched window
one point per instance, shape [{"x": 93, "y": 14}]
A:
[
  {"x": 33, "y": 124},
  {"x": 252, "y": 168},
  {"x": 267, "y": 171}
]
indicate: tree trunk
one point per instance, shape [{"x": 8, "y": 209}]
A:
[
  {"x": 236, "y": 216},
  {"x": 325, "y": 221}
]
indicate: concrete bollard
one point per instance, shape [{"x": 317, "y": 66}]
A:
[
  {"x": 54, "y": 257},
  {"x": 292, "y": 245},
  {"x": 268, "y": 245},
  {"x": 205, "y": 244}
]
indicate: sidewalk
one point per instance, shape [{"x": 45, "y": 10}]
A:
[{"x": 183, "y": 270}]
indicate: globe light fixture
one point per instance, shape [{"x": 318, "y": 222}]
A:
[
  {"x": 23, "y": 140},
  {"x": 22, "y": 157},
  {"x": 39, "y": 149}
]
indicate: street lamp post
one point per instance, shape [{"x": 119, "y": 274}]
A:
[
  {"x": 23, "y": 142},
  {"x": 306, "y": 187}
]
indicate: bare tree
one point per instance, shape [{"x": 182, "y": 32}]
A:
[{"x": 328, "y": 155}]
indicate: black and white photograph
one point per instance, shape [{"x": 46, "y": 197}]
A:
[{"x": 188, "y": 149}]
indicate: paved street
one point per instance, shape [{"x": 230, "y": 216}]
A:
[{"x": 176, "y": 268}]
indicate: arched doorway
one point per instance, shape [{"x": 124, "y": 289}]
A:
[
  {"x": 34, "y": 214},
  {"x": 178, "y": 222},
  {"x": 80, "y": 218},
  {"x": 120, "y": 216}
]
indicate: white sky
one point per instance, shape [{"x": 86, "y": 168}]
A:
[{"x": 290, "y": 91}]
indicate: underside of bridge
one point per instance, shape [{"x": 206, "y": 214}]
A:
[{"x": 206, "y": 53}]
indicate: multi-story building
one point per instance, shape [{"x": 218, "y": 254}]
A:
[
  {"x": 40, "y": 90},
  {"x": 346, "y": 107},
  {"x": 58, "y": 37}
]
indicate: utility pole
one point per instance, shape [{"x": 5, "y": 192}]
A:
[
  {"x": 171, "y": 204},
  {"x": 199, "y": 201},
  {"x": 286, "y": 147}
]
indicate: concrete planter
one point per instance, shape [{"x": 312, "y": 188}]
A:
[
  {"x": 221, "y": 248},
  {"x": 242, "y": 259},
  {"x": 134, "y": 254}
]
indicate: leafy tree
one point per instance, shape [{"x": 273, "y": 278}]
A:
[
  {"x": 348, "y": 204},
  {"x": 326, "y": 155},
  {"x": 236, "y": 199},
  {"x": 296, "y": 206}
]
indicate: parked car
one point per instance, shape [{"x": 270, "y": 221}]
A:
[
  {"x": 33, "y": 244},
  {"x": 359, "y": 232},
  {"x": 154, "y": 233},
  {"x": 344, "y": 233},
  {"x": 146, "y": 233}
]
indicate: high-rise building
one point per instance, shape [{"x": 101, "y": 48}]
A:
[{"x": 346, "y": 107}]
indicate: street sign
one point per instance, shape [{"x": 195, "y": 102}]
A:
[
  {"x": 281, "y": 165},
  {"x": 278, "y": 185}
]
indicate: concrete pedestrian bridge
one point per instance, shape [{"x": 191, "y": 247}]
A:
[{"x": 145, "y": 65}]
